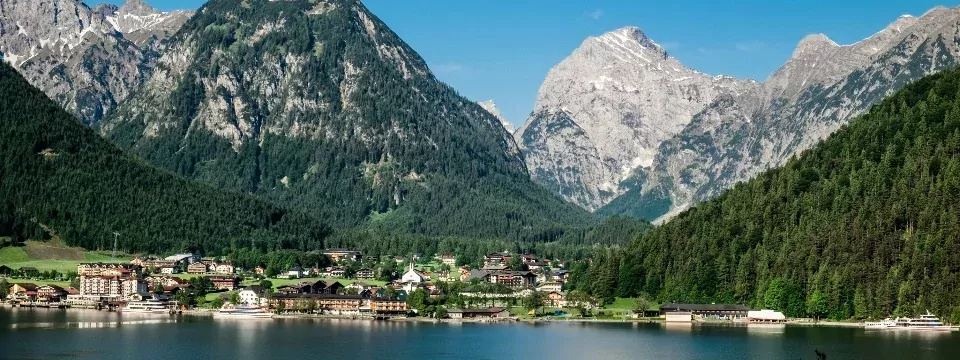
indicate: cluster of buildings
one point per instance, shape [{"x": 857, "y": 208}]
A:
[
  {"x": 187, "y": 262},
  {"x": 329, "y": 297},
  {"x": 34, "y": 292}
]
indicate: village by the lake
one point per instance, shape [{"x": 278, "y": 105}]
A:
[{"x": 501, "y": 287}]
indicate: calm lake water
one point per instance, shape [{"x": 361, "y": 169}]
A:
[{"x": 87, "y": 334}]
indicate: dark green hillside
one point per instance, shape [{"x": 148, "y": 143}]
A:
[
  {"x": 58, "y": 174},
  {"x": 865, "y": 224},
  {"x": 332, "y": 114}
]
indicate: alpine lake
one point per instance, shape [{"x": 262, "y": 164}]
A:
[{"x": 89, "y": 334}]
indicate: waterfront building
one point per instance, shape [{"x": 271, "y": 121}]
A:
[
  {"x": 322, "y": 303},
  {"x": 384, "y": 306},
  {"x": 678, "y": 316},
  {"x": 710, "y": 311},
  {"x": 766, "y": 316},
  {"x": 477, "y": 313},
  {"x": 50, "y": 293},
  {"x": 253, "y": 295},
  {"x": 23, "y": 291}
]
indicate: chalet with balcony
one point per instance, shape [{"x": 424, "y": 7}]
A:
[
  {"x": 197, "y": 268},
  {"x": 225, "y": 282}
]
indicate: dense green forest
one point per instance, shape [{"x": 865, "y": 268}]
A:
[
  {"x": 337, "y": 117},
  {"x": 864, "y": 225},
  {"x": 58, "y": 178}
]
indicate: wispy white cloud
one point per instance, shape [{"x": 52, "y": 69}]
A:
[
  {"x": 596, "y": 14},
  {"x": 750, "y": 46}
]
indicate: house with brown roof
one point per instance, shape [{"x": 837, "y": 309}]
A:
[
  {"x": 225, "y": 282},
  {"x": 50, "y": 293},
  {"x": 197, "y": 268},
  {"x": 23, "y": 291},
  {"x": 477, "y": 313}
]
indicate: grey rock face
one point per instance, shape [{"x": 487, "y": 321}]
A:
[
  {"x": 144, "y": 25},
  {"x": 75, "y": 54},
  {"x": 738, "y": 134},
  {"x": 604, "y": 110},
  {"x": 821, "y": 88}
]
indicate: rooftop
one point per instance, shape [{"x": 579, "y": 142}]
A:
[{"x": 702, "y": 307}]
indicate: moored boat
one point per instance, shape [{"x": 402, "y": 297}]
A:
[
  {"x": 926, "y": 322},
  {"x": 880, "y": 325},
  {"x": 242, "y": 312},
  {"x": 145, "y": 307}
]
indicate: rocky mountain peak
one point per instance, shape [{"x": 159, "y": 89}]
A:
[
  {"x": 605, "y": 109},
  {"x": 632, "y": 41},
  {"x": 137, "y": 7},
  {"x": 491, "y": 107},
  {"x": 814, "y": 44},
  {"x": 81, "y": 57}
]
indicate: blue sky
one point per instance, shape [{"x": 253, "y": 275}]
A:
[{"x": 502, "y": 49}]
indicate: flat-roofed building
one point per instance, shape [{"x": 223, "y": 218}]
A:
[{"x": 710, "y": 311}]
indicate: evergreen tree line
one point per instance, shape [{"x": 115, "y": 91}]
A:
[
  {"x": 58, "y": 178},
  {"x": 864, "y": 225}
]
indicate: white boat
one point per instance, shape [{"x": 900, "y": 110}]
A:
[
  {"x": 242, "y": 312},
  {"x": 145, "y": 307},
  {"x": 927, "y": 322},
  {"x": 880, "y": 325}
]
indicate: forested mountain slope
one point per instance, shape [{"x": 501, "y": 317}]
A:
[
  {"x": 57, "y": 175},
  {"x": 318, "y": 105},
  {"x": 864, "y": 224}
]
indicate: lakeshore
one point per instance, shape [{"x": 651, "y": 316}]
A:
[{"x": 83, "y": 334}]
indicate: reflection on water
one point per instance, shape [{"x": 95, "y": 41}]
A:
[
  {"x": 87, "y": 324},
  {"x": 678, "y": 327},
  {"x": 91, "y": 334},
  {"x": 766, "y": 329}
]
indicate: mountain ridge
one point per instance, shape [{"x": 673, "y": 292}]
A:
[
  {"x": 734, "y": 135},
  {"x": 319, "y": 102},
  {"x": 81, "y": 57}
]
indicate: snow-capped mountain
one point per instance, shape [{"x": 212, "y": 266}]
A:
[
  {"x": 144, "y": 25},
  {"x": 604, "y": 110},
  {"x": 732, "y": 135},
  {"x": 75, "y": 54},
  {"x": 491, "y": 107}
]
